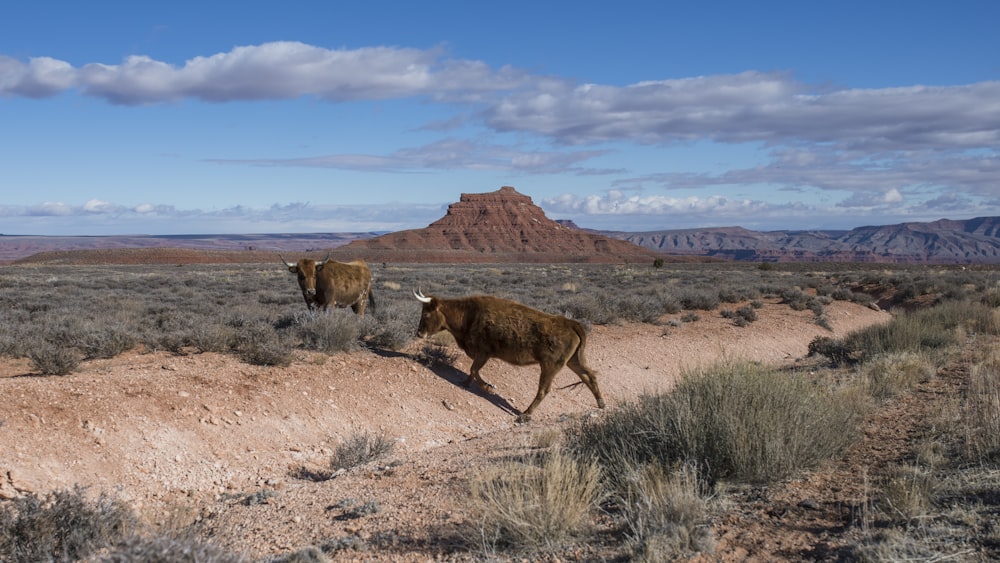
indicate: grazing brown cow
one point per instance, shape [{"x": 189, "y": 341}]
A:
[
  {"x": 326, "y": 283},
  {"x": 490, "y": 327}
]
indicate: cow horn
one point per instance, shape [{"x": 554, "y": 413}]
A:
[
  {"x": 420, "y": 297},
  {"x": 289, "y": 264},
  {"x": 323, "y": 261}
]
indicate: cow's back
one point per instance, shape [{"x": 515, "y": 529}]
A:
[
  {"x": 514, "y": 332},
  {"x": 345, "y": 282}
]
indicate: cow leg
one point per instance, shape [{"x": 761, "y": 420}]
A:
[
  {"x": 361, "y": 304},
  {"x": 589, "y": 378},
  {"x": 548, "y": 375},
  {"x": 477, "y": 364}
]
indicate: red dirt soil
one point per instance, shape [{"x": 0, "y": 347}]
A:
[{"x": 180, "y": 437}]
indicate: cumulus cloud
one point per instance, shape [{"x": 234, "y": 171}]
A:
[
  {"x": 270, "y": 71},
  {"x": 756, "y": 107},
  {"x": 750, "y": 106},
  {"x": 38, "y": 78},
  {"x": 619, "y": 203}
]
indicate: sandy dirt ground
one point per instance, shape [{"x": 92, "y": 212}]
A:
[{"x": 191, "y": 438}]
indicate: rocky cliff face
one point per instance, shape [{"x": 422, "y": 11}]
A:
[{"x": 500, "y": 226}]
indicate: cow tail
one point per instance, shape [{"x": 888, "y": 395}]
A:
[{"x": 371, "y": 298}]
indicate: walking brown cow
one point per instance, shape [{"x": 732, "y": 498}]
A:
[
  {"x": 490, "y": 327},
  {"x": 326, "y": 283}
]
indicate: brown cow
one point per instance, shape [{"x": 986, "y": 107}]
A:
[
  {"x": 340, "y": 284},
  {"x": 490, "y": 327}
]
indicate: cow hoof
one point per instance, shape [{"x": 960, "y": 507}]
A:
[{"x": 523, "y": 419}]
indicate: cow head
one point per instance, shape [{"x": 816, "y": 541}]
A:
[
  {"x": 306, "y": 270},
  {"x": 432, "y": 320}
]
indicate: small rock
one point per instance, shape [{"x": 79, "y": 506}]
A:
[{"x": 809, "y": 504}]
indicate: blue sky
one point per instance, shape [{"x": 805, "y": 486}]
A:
[{"x": 323, "y": 116}]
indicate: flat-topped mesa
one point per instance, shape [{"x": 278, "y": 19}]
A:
[{"x": 503, "y": 225}]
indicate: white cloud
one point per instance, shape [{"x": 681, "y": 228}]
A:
[
  {"x": 39, "y": 78},
  {"x": 96, "y": 217},
  {"x": 271, "y": 71},
  {"x": 449, "y": 154},
  {"x": 98, "y": 206},
  {"x": 892, "y": 196},
  {"x": 47, "y": 208}
]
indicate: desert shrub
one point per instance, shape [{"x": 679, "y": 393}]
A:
[
  {"x": 892, "y": 374},
  {"x": 734, "y": 421},
  {"x": 361, "y": 448},
  {"x": 434, "y": 355},
  {"x": 742, "y": 316},
  {"x": 700, "y": 299},
  {"x": 594, "y": 308},
  {"x": 211, "y": 337},
  {"x": 795, "y": 298},
  {"x": 393, "y": 326},
  {"x": 352, "y": 510},
  {"x": 690, "y": 317},
  {"x": 832, "y": 348},
  {"x": 982, "y": 412},
  {"x": 53, "y": 359},
  {"x": 63, "y": 525},
  {"x": 907, "y": 493},
  {"x": 664, "y": 514},
  {"x": 336, "y": 331},
  {"x": 107, "y": 342},
  {"x": 929, "y": 330},
  {"x": 991, "y": 297},
  {"x": 168, "y": 549},
  {"x": 539, "y": 503},
  {"x": 258, "y": 344},
  {"x": 639, "y": 308},
  {"x": 737, "y": 293}
]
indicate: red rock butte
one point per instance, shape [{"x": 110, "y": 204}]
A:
[{"x": 500, "y": 226}]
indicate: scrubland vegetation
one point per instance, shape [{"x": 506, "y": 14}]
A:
[{"x": 655, "y": 470}]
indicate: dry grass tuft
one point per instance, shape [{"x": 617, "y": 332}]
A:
[{"x": 539, "y": 503}]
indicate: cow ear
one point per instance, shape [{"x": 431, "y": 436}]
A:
[{"x": 294, "y": 268}]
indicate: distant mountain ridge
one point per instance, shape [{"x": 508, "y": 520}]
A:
[{"x": 944, "y": 241}]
